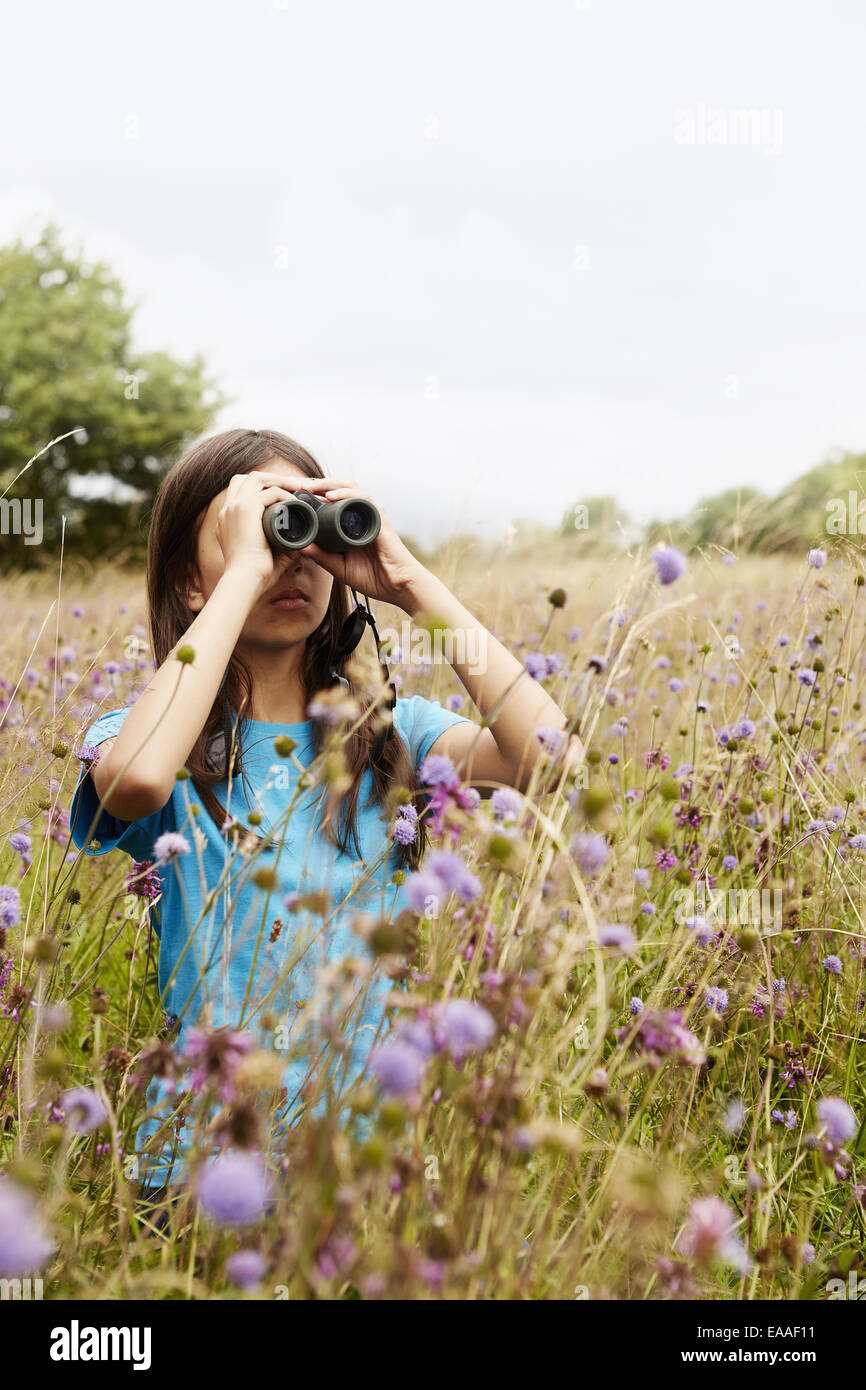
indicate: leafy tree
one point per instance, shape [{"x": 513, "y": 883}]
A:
[{"x": 67, "y": 364}]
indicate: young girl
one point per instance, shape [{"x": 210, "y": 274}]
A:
[{"x": 245, "y": 641}]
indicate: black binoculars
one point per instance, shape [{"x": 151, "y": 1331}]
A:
[{"x": 335, "y": 526}]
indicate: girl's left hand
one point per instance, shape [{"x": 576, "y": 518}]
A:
[{"x": 382, "y": 570}]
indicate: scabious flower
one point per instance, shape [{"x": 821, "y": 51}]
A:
[
  {"x": 817, "y": 559},
  {"x": 463, "y": 1026},
  {"x": 169, "y": 846},
  {"x": 88, "y": 755},
  {"x": 506, "y": 804},
  {"x": 716, "y": 999},
  {"x": 641, "y": 877},
  {"x": 405, "y": 830},
  {"x": 23, "y": 845},
  {"x": 709, "y": 1233},
  {"x": 788, "y": 1118},
  {"x": 659, "y": 1035},
  {"x": 246, "y": 1269},
  {"x": 25, "y": 1244},
  {"x": 635, "y": 1005},
  {"x": 729, "y": 863},
  {"x": 84, "y": 1109},
  {"x": 671, "y": 564},
  {"x": 833, "y": 965},
  {"x": 591, "y": 852},
  {"x": 617, "y": 937},
  {"x": 438, "y": 771},
  {"x": 806, "y": 676},
  {"x": 10, "y": 906},
  {"x": 233, "y": 1188},
  {"x": 398, "y": 1067},
  {"x": 838, "y": 1119},
  {"x": 857, "y": 842}
]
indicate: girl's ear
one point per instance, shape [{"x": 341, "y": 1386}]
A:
[{"x": 191, "y": 592}]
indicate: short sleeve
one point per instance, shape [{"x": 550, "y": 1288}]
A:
[
  {"x": 89, "y": 821},
  {"x": 420, "y": 722}
]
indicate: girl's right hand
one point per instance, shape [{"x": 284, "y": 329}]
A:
[{"x": 239, "y": 525}]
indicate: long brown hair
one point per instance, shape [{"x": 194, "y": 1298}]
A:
[{"x": 184, "y": 495}]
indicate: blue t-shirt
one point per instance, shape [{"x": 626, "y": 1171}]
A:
[{"x": 222, "y": 959}]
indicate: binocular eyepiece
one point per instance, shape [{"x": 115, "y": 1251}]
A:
[{"x": 335, "y": 526}]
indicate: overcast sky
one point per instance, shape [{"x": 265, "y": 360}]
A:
[{"x": 487, "y": 257}]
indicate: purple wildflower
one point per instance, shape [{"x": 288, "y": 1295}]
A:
[
  {"x": 84, "y": 1109},
  {"x": 25, "y": 1244},
  {"x": 398, "y": 1067},
  {"x": 670, "y": 564},
  {"x": 838, "y": 1119},
  {"x": 246, "y": 1268},
  {"x": 233, "y": 1189},
  {"x": 464, "y": 1027},
  {"x": 169, "y": 846},
  {"x": 591, "y": 852}
]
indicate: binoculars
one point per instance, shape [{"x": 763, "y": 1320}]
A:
[{"x": 335, "y": 526}]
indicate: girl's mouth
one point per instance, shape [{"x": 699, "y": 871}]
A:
[{"x": 289, "y": 600}]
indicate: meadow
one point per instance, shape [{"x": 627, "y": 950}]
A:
[{"x": 625, "y": 1057}]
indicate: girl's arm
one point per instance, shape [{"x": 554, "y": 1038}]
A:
[
  {"x": 137, "y": 772},
  {"x": 501, "y": 689}
]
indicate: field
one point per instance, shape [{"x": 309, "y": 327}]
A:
[{"x": 660, "y": 1091}]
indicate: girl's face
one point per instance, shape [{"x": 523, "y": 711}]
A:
[{"x": 276, "y": 620}]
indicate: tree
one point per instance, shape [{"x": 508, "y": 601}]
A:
[{"x": 67, "y": 364}]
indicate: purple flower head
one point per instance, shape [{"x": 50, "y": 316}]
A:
[
  {"x": 398, "y": 1067},
  {"x": 246, "y": 1269},
  {"x": 417, "y": 1034},
  {"x": 423, "y": 892},
  {"x": 439, "y": 771},
  {"x": 857, "y": 842},
  {"x": 617, "y": 938},
  {"x": 506, "y": 804},
  {"x": 84, "y": 1109},
  {"x": 25, "y": 1244},
  {"x": 233, "y": 1188},
  {"x": 463, "y": 1026},
  {"x": 535, "y": 666},
  {"x": 833, "y": 965},
  {"x": 405, "y": 831},
  {"x": 591, "y": 852},
  {"x": 671, "y": 564},
  {"x": 807, "y": 1252},
  {"x": 817, "y": 559},
  {"x": 10, "y": 906},
  {"x": 716, "y": 999},
  {"x": 709, "y": 1233},
  {"x": 169, "y": 846},
  {"x": 22, "y": 844},
  {"x": 729, "y": 862},
  {"x": 453, "y": 876},
  {"x": 641, "y": 877},
  {"x": 88, "y": 755},
  {"x": 806, "y": 676},
  {"x": 838, "y": 1119},
  {"x": 635, "y": 1005}
]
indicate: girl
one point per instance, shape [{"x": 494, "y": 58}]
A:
[{"x": 246, "y": 707}]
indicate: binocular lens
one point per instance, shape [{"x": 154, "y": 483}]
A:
[{"x": 356, "y": 522}]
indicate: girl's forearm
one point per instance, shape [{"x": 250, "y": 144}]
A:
[
  {"x": 498, "y": 683},
  {"x": 162, "y": 726}
]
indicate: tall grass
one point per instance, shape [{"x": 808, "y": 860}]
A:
[{"x": 567, "y": 1148}]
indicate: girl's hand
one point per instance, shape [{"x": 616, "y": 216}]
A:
[
  {"x": 239, "y": 525},
  {"x": 383, "y": 570}
]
